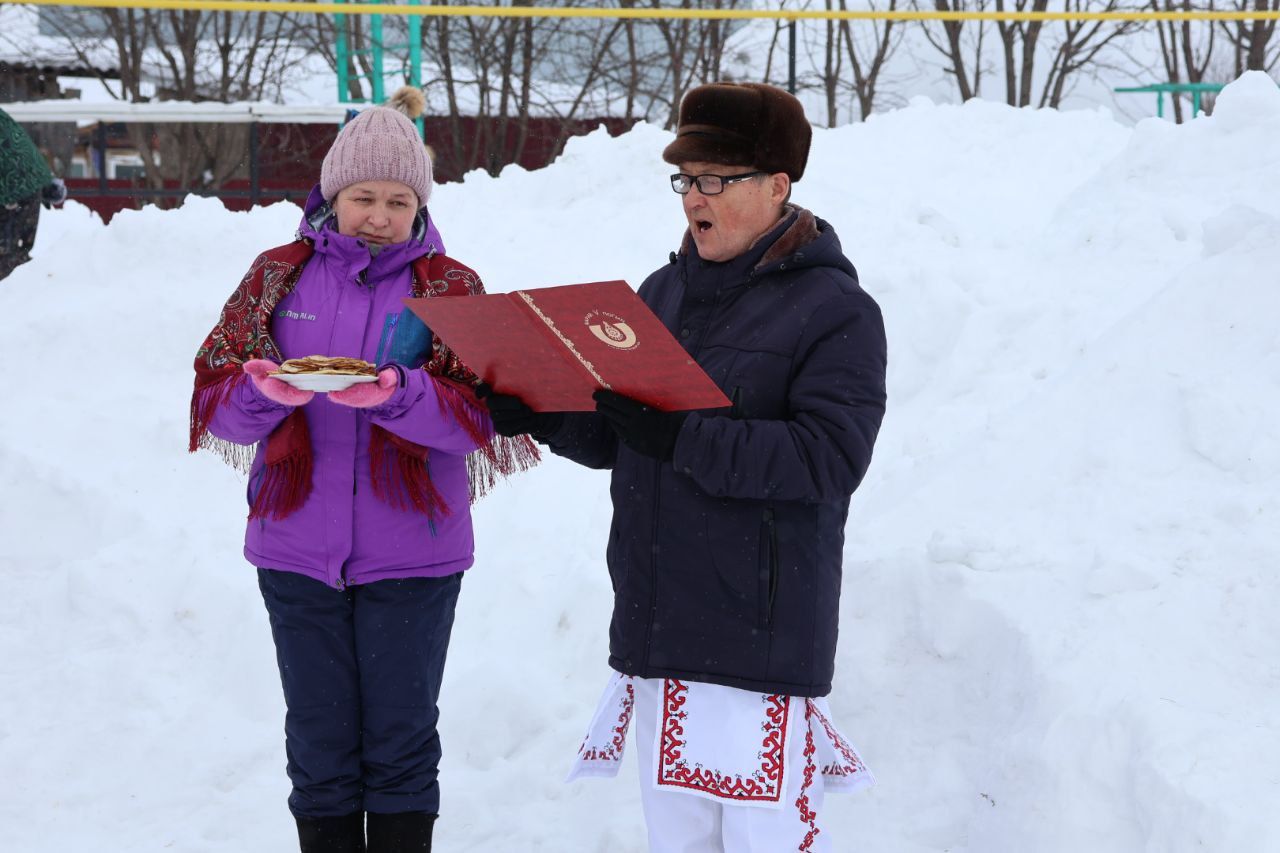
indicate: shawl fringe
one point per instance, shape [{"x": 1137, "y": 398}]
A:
[
  {"x": 204, "y": 402},
  {"x": 496, "y": 456},
  {"x": 401, "y": 474},
  {"x": 286, "y": 470}
]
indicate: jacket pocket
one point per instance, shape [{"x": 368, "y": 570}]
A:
[
  {"x": 733, "y": 541},
  {"x": 611, "y": 556},
  {"x": 768, "y": 567},
  {"x": 743, "y": 542},
  {"x": 758, "y": 383}
]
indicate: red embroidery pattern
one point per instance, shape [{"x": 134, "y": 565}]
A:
[
  {"x": 851, "y": 765},
  {"x": 763, "y": 785},
  {"x": 613, "y": 752},
  {"x": 244, "y": 325},
  {"x": 437, "y": 275},
  {"x": 808, "y": 815}
]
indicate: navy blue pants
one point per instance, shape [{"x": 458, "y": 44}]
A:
[{"x": 361, "y": 670}]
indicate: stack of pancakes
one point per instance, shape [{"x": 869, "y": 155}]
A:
[{"x": 327, "y": 364}]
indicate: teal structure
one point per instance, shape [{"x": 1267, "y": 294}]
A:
[
  {"x": 1174, "y": 89},
  {"x": 409, "y": 72}
]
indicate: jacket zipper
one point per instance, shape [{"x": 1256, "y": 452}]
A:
[
  {"x": 363, "y": 290},
  {"x": 653, "y": 538},
  {"x": 653, "y": 568},
  {"x": 711, "y": 316},
  {"x": 771, "y": 553},
  {"x": 773, "y": 565}
]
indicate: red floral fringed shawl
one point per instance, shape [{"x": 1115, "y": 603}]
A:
[{"x": 399, "y": 467}]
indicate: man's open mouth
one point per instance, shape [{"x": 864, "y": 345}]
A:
[{"x": 702, "y": 225}]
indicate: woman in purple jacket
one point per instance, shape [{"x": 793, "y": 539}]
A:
[{"x": 359, "y": 500}]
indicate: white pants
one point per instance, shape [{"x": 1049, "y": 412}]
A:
[{"x": 680, "y": 822}]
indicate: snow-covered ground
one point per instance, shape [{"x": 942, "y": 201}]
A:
[{"x": 1061, "y": 590}]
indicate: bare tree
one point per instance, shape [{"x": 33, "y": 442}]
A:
[
  {"x": 866, "y": 53},
  {"x": 868, "y": 59},
  {"x": 1019, "y": 40},
  {"x": 186, "y": 56},
  {"x": 833, "y": 59},
  {"x": 685, "y": 40},
  {"x": 1253, "y": 40},
  {"x": 486, "y": 69},
  {"x": 596, "y": 59},
  {"x": 631, "y": 67},
  {"x": 1080, "y": 46},
  {"x": 319, "y": 34},
  {"x": 492, "y": 76},
  {"x": 1185, "y": 50},
  {"x": 778, "y": 26},
  {"x": 488, "y": 78},
  {"x": 959, "y": 44}
]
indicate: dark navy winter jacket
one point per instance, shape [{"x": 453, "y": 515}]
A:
[{"x": 726, "y": 561}]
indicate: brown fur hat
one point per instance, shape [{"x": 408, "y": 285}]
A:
[{"x": 742, "y": 124}]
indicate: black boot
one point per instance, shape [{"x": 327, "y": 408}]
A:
[
  {"x": 343, "y": 834},
  {"x": 407, "y": 832}
]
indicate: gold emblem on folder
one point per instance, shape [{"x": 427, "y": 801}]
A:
[{"x": 612, "y": 330}]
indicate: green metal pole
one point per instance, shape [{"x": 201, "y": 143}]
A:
[
  {"x": 375, "y": 31},
  {"x": 1195, "y": 103},
  {"x": 341, "y": 48},
  {"x": 415, "y": 57},
  {"x": 1159, "y": 104}
]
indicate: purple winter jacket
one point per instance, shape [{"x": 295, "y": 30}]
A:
[{"x": 348, "y": 303}]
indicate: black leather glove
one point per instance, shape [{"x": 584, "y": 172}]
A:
[
  {"x": 54, "y": 193},
  {"x": 644, "y": 429},
  {"x": 512, "y": 417}
]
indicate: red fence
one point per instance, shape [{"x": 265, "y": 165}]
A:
[{"x": 284, "y": 162}]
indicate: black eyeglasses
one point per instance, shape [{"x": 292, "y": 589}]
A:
[{"x": 708, "y": 184}]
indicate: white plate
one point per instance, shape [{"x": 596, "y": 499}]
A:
[{"x": 323, "y": 381}]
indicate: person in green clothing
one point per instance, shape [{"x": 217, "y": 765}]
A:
[{"x": 25, "y": 184}]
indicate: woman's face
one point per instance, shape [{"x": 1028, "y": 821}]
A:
[{"x": 378, "y": 212}]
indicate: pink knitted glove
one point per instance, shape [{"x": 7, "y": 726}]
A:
[
  {"x": 368, "y": 394},
  {"x": 272, "y": 388}
]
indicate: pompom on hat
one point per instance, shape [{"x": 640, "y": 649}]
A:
[
  {"x": 380, "y": 144},
  {"x": 742, "y": 124}
]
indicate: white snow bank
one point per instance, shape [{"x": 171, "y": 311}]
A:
[{"x": 1061, "y": 586}]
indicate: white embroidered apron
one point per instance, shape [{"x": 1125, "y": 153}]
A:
[{"x": 722, "y": 743}]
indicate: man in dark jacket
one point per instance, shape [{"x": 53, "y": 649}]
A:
[
  {"x": 727, "y": 538},
  {"x": 25, "y": 184}
]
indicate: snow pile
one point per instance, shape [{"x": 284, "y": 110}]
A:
[{"x": 1061, "y": 587}]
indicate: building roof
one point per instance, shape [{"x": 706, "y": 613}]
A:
[{"x": 178, "y": 111}]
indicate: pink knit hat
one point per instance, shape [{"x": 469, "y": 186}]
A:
[{"x": 379, "y": 144}]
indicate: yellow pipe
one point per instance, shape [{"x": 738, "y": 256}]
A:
[{"x": 651, "y": 14}]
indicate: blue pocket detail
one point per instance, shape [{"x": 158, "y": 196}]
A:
[
  {"x": 406, "y": 340},
  {"x": 388, "y": 329}
]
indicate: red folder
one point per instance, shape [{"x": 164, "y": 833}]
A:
[{"x": 555, "y": 346}]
